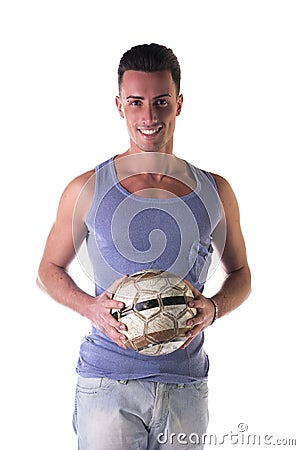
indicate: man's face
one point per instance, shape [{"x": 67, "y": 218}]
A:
[{"x": 149, "y": 103}]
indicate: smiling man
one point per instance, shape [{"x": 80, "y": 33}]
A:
[
  {"x": 150, "y": 117},
  {"x": 144, "y": 209}
]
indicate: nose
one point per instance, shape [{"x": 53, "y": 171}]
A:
[{"x": 149, "y": 114}]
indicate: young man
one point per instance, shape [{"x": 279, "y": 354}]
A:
[{"x": 144, "y": 209}]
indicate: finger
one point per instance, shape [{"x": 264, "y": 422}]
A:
[
  {"x": 200, "y": 303},
  {"x": 114, "y": 334},
  {"x": 110, "y": 304},
  {"x": 191, "y": 334},
  {"x": 198, "y": 319},
  {"x": 105, "y": 316},
  {"x": 187, "y": 342}
]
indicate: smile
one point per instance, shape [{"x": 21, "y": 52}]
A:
[{"x": 149, "y": 131}]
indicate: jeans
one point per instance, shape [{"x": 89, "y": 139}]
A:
[{"x": 139, "y": 415}]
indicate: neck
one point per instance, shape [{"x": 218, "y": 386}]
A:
[
  {"x": 147, "y": 162},
  {"x": 155, "y": 165}
]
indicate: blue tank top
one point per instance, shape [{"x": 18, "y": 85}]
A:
[{"x": 128, "y": 233}]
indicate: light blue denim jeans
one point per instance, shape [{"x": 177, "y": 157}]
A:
[{"x": 139, "y": 415}]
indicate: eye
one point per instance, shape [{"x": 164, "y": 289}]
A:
[
  {"x": 135, "y": 103},
  {"x": 162, "y": 102}
]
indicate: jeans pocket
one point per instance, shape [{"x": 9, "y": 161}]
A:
[
  {"x": 88, "y": 386},
  {"x": 201, "y": 388},
  {"x": 91, "y": 386}
]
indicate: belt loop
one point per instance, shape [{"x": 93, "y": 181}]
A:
[{"x": 123, "y": 381}]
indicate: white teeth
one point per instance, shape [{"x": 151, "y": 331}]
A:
[{"x": 149, "y": 132}]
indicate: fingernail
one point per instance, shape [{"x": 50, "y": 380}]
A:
[
  {"x": 191, "y": 304},
  {"x": 190, "y": 323},
  {"x": 120, "y": 305},
  {"x": 122, "y": 327}
]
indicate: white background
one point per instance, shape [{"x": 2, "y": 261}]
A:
[{"x": 240, "y": 81}]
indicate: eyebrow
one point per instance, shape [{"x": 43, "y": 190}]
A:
[{"x": 137, "y": 97}]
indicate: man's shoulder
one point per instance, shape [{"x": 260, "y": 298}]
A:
[
  {"x": 224, "y": 188},
  {"x": 220, "y": 181},
  {"x": 84, "y": 177},
  {"x": 87, "y": 179},
  {"x": 81, "y": 180}
]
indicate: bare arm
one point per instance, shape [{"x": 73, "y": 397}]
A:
[
  {"x": 237, "y": 284},
  {"x": 66, "y": 235}
]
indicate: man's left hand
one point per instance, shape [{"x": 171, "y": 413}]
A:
[{"x": 204, "y": 316}]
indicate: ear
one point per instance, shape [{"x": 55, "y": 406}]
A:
[
  {"x": 119, "y": 106},
  {"x": 179, "y": 104}
]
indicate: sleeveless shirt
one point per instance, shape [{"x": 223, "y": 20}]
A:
[{"x": 128, "y": 233}]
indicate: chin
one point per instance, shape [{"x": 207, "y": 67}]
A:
[{"x": 155, "y": 148}]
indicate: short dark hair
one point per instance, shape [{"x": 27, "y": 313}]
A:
[{"x": 150, "y": 58}]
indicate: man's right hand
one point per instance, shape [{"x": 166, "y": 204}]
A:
[{"x": 99, "y": 312}]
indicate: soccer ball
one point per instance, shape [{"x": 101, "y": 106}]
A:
[{"x": 155, "y": 313}]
